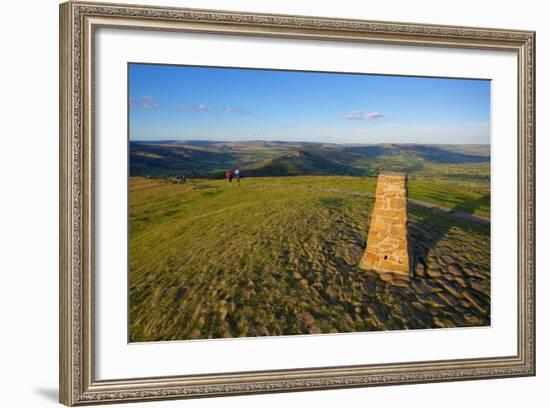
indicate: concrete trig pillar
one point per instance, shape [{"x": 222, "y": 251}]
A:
[{"x": 388, "y": 247}]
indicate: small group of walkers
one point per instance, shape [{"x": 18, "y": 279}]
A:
[
  {"x": 233, "y": 174},
  {"x": 229, "y": 176}
]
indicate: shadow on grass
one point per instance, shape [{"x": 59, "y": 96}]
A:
[
  {"x": 472, "y": 205},
  {"x": 431, "y": 225}
]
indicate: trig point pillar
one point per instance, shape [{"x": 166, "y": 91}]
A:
[{"x": 388, "y": 247}]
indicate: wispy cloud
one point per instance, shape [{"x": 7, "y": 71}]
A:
[
  {"x": 358, "y": 115},
  {"x": 147, "y": 102},
  {"x": 200, "y": 107},
  {"x": 231, "y": 109}
]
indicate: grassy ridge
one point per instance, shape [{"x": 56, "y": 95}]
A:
[{"x": 279, "y": 256}]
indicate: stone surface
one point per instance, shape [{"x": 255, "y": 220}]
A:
[
  {"x": 419, "y": 270},
  {"x": 454, "y": 270},
  {"x": 388, "y": 247}
]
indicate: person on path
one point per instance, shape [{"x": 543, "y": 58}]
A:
[
  {"x": 229, "y": 176},
  {"x": 238, "y": 176}
]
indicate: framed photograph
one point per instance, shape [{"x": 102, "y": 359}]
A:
[{"x": 256, "y": 203}]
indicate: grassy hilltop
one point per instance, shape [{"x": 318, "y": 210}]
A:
[
  {"x": 452, "y": 176},
  {"x": 279, "y": 255}
]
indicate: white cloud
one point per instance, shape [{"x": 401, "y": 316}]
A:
[
  {"x": 358, "y": 115},
  {"x": 231, "y": 109},
  {"x": 147, "y": 102},
  {"x": 201, "y": 107}
]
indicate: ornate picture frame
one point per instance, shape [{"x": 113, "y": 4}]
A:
[{"x": 78, "y": 24}]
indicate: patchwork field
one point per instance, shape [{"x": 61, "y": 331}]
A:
[{"x": 279, "y": 255}]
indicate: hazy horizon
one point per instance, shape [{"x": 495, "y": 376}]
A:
[
  {"x": 294, "y": 141},
  {"x": 231, "y": 104}
]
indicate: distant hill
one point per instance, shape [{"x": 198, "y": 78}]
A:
[
  {"x": 302, "y": 162},
  {"x": 430, "y": 153},
  {"x": 210, "y": 159},
  {"x": 172, "y": 158}
]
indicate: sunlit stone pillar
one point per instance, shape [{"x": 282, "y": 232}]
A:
[{"x": 388, "y": 248}]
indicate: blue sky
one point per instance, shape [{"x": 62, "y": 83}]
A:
[{"x": 184, "y": 103}]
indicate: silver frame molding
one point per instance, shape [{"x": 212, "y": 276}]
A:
[{"x": 78, "y": 22}]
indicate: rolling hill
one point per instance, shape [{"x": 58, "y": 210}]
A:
[
  {"x": 210, "y": 159},
  {"x": 278, "y": 254}
]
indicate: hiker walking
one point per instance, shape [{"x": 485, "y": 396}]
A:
[
  {"x": 229, "y": 176},
  {"x": 238, "y": 176}
]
